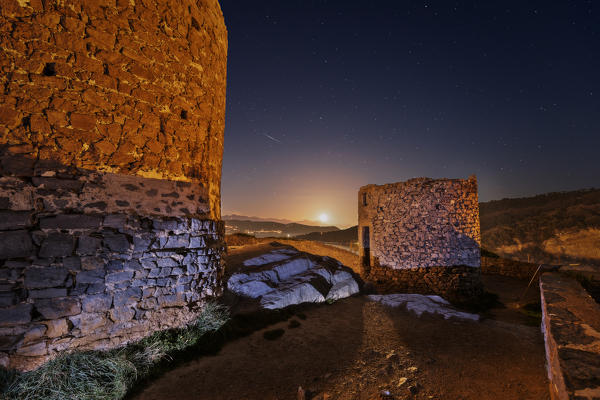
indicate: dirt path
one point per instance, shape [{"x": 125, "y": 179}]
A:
[{"x": 355, "y": 348}]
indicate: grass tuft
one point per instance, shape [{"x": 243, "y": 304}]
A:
[
  {"x": 81, "y": 375},
  {"x": 107, "y": 375}
]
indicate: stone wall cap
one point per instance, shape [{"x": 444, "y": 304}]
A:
[{"x": 420, "y": 181}]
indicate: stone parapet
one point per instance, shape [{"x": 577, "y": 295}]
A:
[{"x": 571, "y": 325}]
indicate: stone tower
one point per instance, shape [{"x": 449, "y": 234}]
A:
[
  {"x": 422, "y": 235},
  {"x": 111, "y": 142}
]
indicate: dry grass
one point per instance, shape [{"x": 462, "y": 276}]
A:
[{"x": 107, "y": 375}]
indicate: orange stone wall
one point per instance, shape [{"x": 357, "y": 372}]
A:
[
  {"x": 111, "y": 143},
  {"x": 132, "y": 87}
]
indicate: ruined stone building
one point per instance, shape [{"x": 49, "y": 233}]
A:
[
  {"x": 111, "y": 141},
  {"x": 422, "y": 235}
]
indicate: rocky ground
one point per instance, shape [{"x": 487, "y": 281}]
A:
[{"x": 356, "y": 348}]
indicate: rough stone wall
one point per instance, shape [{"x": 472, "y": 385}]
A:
[
  {"x": 111, "y": 141},
  {"x": 571, "y": 327},
  {"x": 456, "y": 284},
  {"x": 421, "y": 223},
  {"x": 418, "y": 224}
]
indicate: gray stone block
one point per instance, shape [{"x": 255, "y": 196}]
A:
[
  {"x": 141, "y": 274},
  {"x": 184, "y": 279},
  {"x": 122, "y": 314},
  {"x": 154, "y": 273},
  {"x": 78, "y": 289},
  {"x": 71, "y": 221},
  {"x": 88, "y": 323},
  {"x": 163, "y": 282},
  {"x": 119, "y": 277},
  {"x": 7, "y": 299},
  {"x": 177, "y": 241},
  {"x": 47, "y": 293},
  {"x": 88, "y": 245},
  {"x": 148, "y": 263},
  {"x": 15, "y": 244},
  {"x": 19, "y": 314},
  {"x": 95, "y": 288},
  {"x": 167, "y": 262},
  {"x": 72, "y": 263},
  {"x": 127, "y": 297},
  {"x": 14, "y": 219},
  {"x": 57, "y": 245},
  {"x": 116, "y": 221},
  {"x": 11, "y": 270},
  {"x": 141, "y": 243},
  {"x": 45, "y": 277},
  {"x": 133, "y": 265},
  {"x": 121, "y": 285},
  {"x": 192, "y": 269},
  {"x": 115, "y": 265},
  {"x": 97, "y": 303},
  {"x": 197, "y": 242},
  {"x": 165, "y": 225},
  {"x": 93, "y": 276},
  {"x": 59, "y": 307},
  {"x": 116, "y": 242},
  {"x": 92, "y": 263}
]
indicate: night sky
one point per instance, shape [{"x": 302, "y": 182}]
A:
[{"x": 326, "y": 96}]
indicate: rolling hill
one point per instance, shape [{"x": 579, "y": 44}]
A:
[
  {"x": 343, "y": 236},
  {"x": 561, "y": 227}
]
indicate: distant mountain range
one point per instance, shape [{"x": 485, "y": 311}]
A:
[
  {"x": 262, "y": 228},
  {"x": 237, "y": 217},
  {"x": 561, "y": 228}
]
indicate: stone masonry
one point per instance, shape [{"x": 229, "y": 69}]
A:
[
  {"x": 422, "y": 236},
  {"x": 111, "y": 143}
]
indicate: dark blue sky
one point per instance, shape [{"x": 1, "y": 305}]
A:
[{"x": 326, "y": 96}]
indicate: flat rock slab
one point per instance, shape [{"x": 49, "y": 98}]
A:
[
  {"x": 419, "y": 304},
  {"x": 284, "y": 277}
]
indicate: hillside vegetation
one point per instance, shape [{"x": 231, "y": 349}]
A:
[{"x": 561, "y": 227}]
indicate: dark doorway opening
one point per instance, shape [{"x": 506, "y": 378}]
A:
[{"x": 366, "y": 261}]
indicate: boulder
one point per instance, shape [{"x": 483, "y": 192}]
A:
[{"x": 284, "y": 277}]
